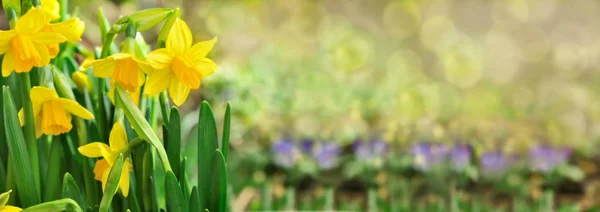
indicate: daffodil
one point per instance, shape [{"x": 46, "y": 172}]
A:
[
  {"x": 71, "y": 29},
  {"x": 52, "y": 114},
  {"x": 180, "y": 66},
  {"x": 118, "y": 144},
  {"x": 52, "y": 8},
  {"x": 7, "y": 208},
  {"x": 124, "y": 68},
  {"x": 26, "y": 46}
]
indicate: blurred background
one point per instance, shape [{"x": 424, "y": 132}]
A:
[{"x": 355, "y": 104}]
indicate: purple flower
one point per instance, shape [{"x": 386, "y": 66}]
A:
[
  {"x": 544, "y": 158},
  {"x": 427, "y": 155},
  {"x": 494, "y": 163},
  {"x": 327, "y": 155},
  {"x": 461, "y": 155},
  {"x": 370, "y": 150},
  {"x": 285, "y": 153},
  {"x": 306, "y": 146}
]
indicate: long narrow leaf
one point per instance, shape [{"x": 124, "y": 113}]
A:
[
  {"x": 174, "y": 141},
  {"x": 195, "y": 200},
  {"x": 218, "y": 199},
  {"x": 175, "y": 199},
  {"x": 66, "y": 205},
  {"x": 71, "y": 190},
  {"x": 21, "y": 167},
  {"x": 226, "y": 128},
  {"x": 112, "y": 184},
  {"x": 53, "y": 175},
  {"x": 207, "y": 143},
  {"x": 185, "y": 180}
]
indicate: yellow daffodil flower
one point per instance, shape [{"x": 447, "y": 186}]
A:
[
  {"x": 25, "y": 47},
  {"x": 180, "y": 66},
  {"x": 71, "y": 29},
  {"x": 124, "y": 68},
  {"x": 52, "y": 114},
  {"x": 118, "y": 144},
  {"x": 52, "y": 8},
  {"x": 81, "y": 81},
  {"x": 7, "y": 208}
]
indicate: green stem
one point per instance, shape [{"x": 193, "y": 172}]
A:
[
  {"x": 372, "y": 199},
  {"x": 29, "y": 130},
  {"x": 35, "y": 3},
  {"x": 132, "y": 145},
  {"x": 329, "y": 198},
  {"x": 290, "y": 198}
]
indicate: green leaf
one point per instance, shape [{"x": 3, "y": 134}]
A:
[
  {"x": 112, "y": 184},
  {"x": 54, "y": 168},
  {"x": 146, "y": 19},
  {"x": 141, "y": 126},
  {"x": 195, "y": 200},
  {"x": 147, "y": 185},
  {"x": 175, "y": 199},
  {"x": 65, "y": 205},
  {"x": 219, "y": 186},
  {"x": 21, "y": 165},
  {"x": 4, "y": 198},
  {"x": 173, "y": 141},
  {"x": 71, "y": 190},
  {"x": 207, "y": 143},
  {"x": 226, "y": 128},
  {"x": 185, "y": 180}
]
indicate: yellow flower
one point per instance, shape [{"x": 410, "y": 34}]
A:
[
  {"x": 52, "y": 8},
  {"x": 52, "y": 114},
  {"x": 124, "y": 68},
  {"x": 180, "y": 66},
  {"x": 71, "y": 29},
  {"x": 81, "y": 80},
  {"x": 7, "y": 208},
  {"x": 26, "y": 45},
  {"x": 118, "y": 144}
]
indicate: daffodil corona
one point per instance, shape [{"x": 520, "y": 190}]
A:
[
  {"x": 26, "y": 46},
  {"x": 52, "y": 114},
  {"x": 180, "y": 66},
  {"x": 124, "y": 68},
  {"x": 118, "y": 144}
]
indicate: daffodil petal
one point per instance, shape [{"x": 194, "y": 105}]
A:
[
  {"x": 33, "y": 21},
  {"x": 180, "y": 38},
  {"x": 99, "y": 169},
  {"x": 103, "y": 68},
  {"x": 157, "y": 82},
  {"x": 8, "y": 64},
  {"x": 206, "y": 66},
  {"x": 93, "y": 150},
  {"x": 5, "y": 37},
  {"x": 44, "y": 53},
  {"x": 38, "y": 126},
  {"x": 109, "y": 156},
  {"x": 40, "y": 94},
  {"x": 200, "y": 49},
  {"x": 118, "y": 137},
  {"x": 70, "y": 29},
  {"x": 21, "y": 117},
  {"x": 105, "y": 178},
  {"x": 52, "y": 8},
  {"x": 8, "y": 208},
  {"x": 124, "y": 180},
  {"x": 159, "y": 59},
  {"x": 76, "y": 109},
  {"x": 47, "y": 38},
  {"x": 179, "y": 92}
]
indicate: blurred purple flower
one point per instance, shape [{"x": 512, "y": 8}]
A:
[
  {"x": 461, "y": 155},
  {"x": 370, "y": 150},
  {"x": 306, "y": 146},
  {"x": 285, "y": 153},
  {"x": 427, "y": 155},
  {"x": 544, "y": 158},
  {"x": 494, "y": 163},
  {"x": 327, "y": 155}
]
